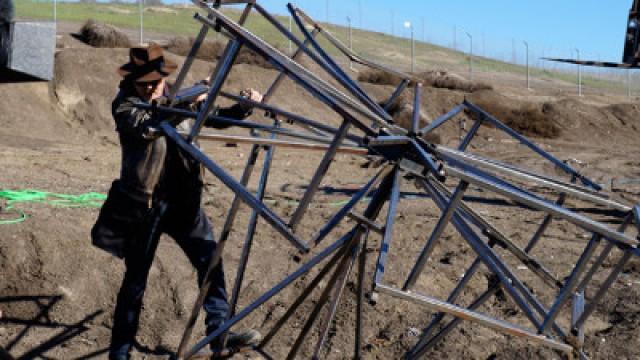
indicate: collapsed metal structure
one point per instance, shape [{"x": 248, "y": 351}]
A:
[{"x": 368, "y": 129}]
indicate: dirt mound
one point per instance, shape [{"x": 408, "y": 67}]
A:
[
  {"x": 402, "y": 113},
  {"x": 527, "y": 118},
  {"x": 102, "y": 35},
  {"x": 378, "y": 77},
  {"x": 627, "y": 114},
  {"x": 27, "y": 111},
  {"x": 434, "y": 79},
  {"x": 86, "y": 82},
  {"x": 211, "y": 50},
  {"x": 446, "y": 80}
]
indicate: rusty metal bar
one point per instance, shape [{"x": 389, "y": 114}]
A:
[
  {"x": 465, "y": 314},
  {"x": 236, "y": 139},
  {"x": 319, "y": 175},
  {"x": 443, "y": 221}
]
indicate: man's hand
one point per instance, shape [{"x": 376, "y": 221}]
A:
[
  {"x": 202, "y": 97},
  {"x": 251, "y": 94}
]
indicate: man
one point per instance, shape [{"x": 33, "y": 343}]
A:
[{"x": 159, "y": 191}]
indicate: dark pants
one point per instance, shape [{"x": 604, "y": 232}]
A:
[{"x": 194, "y": 234}]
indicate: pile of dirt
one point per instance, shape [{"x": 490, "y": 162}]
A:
[
  {"x": 212, "y": 50},
  {"x": 102, "y": 35},
  {"x": 446, "y": 80},
  {"x": 29, "y": 118},
  {"x": 527, "y": 118},
  {"x": 378, "y": 77},
  {"x": 402, "y": 113},
  {"x": 627, "y": 114},
  {"x": 435, "y": 79},
  {"x": 86, "y": 82}
]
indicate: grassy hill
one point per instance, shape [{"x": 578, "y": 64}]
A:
[{"x": 177, "y": 19}]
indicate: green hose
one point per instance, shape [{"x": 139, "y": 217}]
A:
[{"x": 90, "y": 199}]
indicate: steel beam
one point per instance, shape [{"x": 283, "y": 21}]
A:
[
  {"x": 528, "y": 143},
  {"x": 465, "y": 314},
  {"x": 236, "y": 187},
  {"x": 441, "y": 225},
  {"x": 537, "y": 203},
  {"x": 319, "y": 175}
]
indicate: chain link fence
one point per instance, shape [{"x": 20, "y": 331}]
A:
[{"x": 502, "y": 62}]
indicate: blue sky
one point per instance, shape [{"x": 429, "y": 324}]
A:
[{"x": 552, "y": 28}]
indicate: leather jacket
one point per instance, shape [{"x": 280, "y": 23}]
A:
[
  {"x": 153, "y": 169},
  {"x": 154, "y": 164}
]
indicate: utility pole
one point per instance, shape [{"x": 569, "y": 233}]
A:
[
  {"x": 514, "y": 57},
  {"x": 393, "y": 21},
  {"x": 579, "y": 75},
  {"x": 455, "y": 33},
  {"x": 141, "y": 3},
  {"x": 470, "y": 56},
  {"x": 360, "y": 14},
  {"x": 526, "y": 45},
  {"x": 326, "y": 2},
  {"x": 408, "y": 25}
]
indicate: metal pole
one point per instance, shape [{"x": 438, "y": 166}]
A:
[
  {"x": 455, "y": 33},
  {"x": 360, "y": 13},
  {"x": 290, "y": 28},
  {"x": 327, "y": 10},
  {"x": 470, "y": 56},
  {"x": 141, "y": 6},
  {"x": 269, "y": 294},
  {"x": 393, "y": 20},
  {"x": 444, "y": 220},
  {"x": 413, "y": 51},
  {"x": 579, "y": 75},
  {"x": 526, "y": 44}
]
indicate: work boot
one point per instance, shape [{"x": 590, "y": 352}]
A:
[
  {"x": 119, "y": 356},
  {"x": 243, "y": 339},
  {"x": 236, "y": 343}
]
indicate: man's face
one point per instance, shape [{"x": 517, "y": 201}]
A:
[{"x": 149, "y": 90}]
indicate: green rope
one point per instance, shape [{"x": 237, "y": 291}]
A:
[{"x": 90, "y": 199}]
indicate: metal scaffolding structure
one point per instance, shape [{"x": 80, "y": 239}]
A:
[{"x": 368, "y": 129}]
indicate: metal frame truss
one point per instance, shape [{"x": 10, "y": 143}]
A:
[{"x": 368, "y": 129}]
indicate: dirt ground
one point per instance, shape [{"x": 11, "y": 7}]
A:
[{"x": 57, "y": 292}]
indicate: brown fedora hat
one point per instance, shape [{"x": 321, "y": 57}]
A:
[{"x": 147, "y": 64}]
